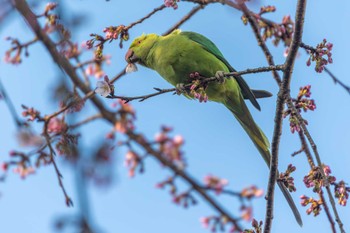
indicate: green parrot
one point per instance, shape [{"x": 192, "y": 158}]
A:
[{"x": 179, "y": 54}]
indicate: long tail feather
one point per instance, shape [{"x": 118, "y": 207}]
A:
[{"x": 242, "y": 114}]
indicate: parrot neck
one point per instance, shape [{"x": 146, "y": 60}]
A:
[{"x": 150, "y": 60}]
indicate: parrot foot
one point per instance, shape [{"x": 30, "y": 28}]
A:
[
  {"x": 180, "y": 88},
  {"x": 220, "y": 76}
]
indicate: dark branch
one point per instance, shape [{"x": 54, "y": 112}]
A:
[
  {"x": 146, "y": 17},
  {"x": 10, "y": 106},
  {"x": 282, "y": 97},
  {"x": 184, "y": 19},
  {"x": 205, "y": 80}
]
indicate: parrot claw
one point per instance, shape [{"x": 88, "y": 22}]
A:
[
  {"x": 220, "y": 76},
  {"x": 180, "y": 88}
]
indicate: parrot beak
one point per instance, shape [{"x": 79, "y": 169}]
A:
[{"x": 130, "y": 57}]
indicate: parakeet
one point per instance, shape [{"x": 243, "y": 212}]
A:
[{"x": 179, "y": 54}]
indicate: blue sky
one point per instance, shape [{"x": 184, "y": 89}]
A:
[{"x": 215, "y": 142}]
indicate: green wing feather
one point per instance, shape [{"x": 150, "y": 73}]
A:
[{"x": 211, "y": 47}]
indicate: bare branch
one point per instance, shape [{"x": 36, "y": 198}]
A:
[
  {"x": 146, "y": 17},
  {"x": 205, "y": 80},
  {"x": 10, "y": 106},
  {"x": 184, "y": 19},
  {"x": 282, "y": 96}
]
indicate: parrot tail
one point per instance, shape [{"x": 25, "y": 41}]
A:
[{"x": 242, "y": 114}]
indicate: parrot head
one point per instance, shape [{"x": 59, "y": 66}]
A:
[{"x": 139, "y": 49}]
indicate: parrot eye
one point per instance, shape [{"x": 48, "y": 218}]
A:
[{"x": 139, "y": 42}]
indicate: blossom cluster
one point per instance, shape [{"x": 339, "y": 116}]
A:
[
  {"x": 322, "y": 55},
  {"x": 251, "y": 192},
  {"x": 286, "y": 179},
  {"x": 215, "y": 183},
  {"x": 14, "y": 54},
  {"x": 257, "y": 227},
  {"x": 303, "y": 102},
  {"x": 278, "y": 31},
  {"x": 31, "y": 113},
  {"x": 215, "y": 223},
  {"x": 133, "y": 161},
  {"x": 111, "y": 33},
  {"x": 66, "y": 145},
  {"x": 184, "y": 199},
  {"x": 341, "y": 192},
  {"x": 95, "y": 67},
  {"x": 171, "y": 3},
  {"x": 315, "y": 205},
  {"x": 316, "y": 180},
  {"x": 170, "y": 147},
  {"x": 198, "y": 87},
  {"x": 125, "y": 117},
  {"x": 73, "y": 102},
  {"x": 23, "y": 165}
]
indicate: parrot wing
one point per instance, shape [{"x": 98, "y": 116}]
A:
[{"x": 211, "y": 47}]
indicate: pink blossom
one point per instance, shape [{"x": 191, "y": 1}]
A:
[
  {"x": 341, "y": 193},
  {"x": 215, "y": 183},
  {"x": 171, "y": 3},
  {"x": 15, "y": 60},
  {"x": 252, "y": 191},
  {"x": 161, "y": 137},
  {"x": 327, "y": 170},
  {"x": 24, "y": 171},
  {"x": 56, "y": 125},
  {"x": 4, "y": 166},
  {"x": 205, "y": 221},
  {"x": 247, "y": 213},
  {"x": 178, "y": 140},
  {"x": 50, "y": 6},
  {"x": 131, "y": 162}
]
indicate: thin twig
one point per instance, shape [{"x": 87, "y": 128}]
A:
[
  {"x": 87, "y": 120},
  {"x": 205, "y": 80},
  {"x": 261, "y": 42},
  {"x": 68, "y": 200},
  {"x": 306, "y": 149},
  {"x": 10, "y": 105},
  {"x": 184, "y": 19},
  {"x": 312, "y": 165},
  {"x": 319, "y": 163},
  {"x": 336, "y": 80},
  {"x": 146, "y": 17},
  {"x": 143, "y": 97},
  {"x": 225, "y": 191}
]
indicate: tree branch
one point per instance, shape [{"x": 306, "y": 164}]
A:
[
  {"x": 10, "y": 106},
  {"x": 205, "y": 80},
  {"x": 184, "y": 19},
  {"x": 282, "y": 97},
  {"x": 319, "y": 163}
]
